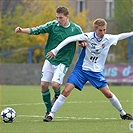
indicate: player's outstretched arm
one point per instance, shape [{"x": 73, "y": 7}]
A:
[
  {"x": 125, "y": 35},
  {"x": 22, "y": 30},
  {"x": 80, "y": 37}
]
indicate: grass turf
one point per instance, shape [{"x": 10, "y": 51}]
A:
[{"x": 87, "y": 111}]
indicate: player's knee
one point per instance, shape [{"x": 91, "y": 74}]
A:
[
  {"x": 44, "y": 86},
  {"x": 109, "y": 95},
  {"x": 55, "y": 85},
  {"x": 66, "y": 92},
  {"x": 68, "y": 88}
]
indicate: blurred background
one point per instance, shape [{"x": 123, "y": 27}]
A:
[{"x": 21, "y": 55}]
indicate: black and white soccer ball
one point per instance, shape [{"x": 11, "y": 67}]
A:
[{"x": 8, "y": 115}]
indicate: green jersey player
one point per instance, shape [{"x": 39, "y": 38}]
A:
[{"x": 54, "y": 69}]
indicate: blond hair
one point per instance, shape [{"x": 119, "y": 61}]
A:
[{"x": 99, "y": 22}]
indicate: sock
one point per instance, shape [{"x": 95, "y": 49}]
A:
[
  {"x": 58, "y": 103},
  {"x": 46, "y": 99},
  {"x": 57, "y": 92},
  {"x": 116, "y": 103}
]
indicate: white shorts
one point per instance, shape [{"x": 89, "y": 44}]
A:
[{"x": 53, "y": 73}]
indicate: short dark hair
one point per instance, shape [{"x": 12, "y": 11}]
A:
[{"x": 62, "y": 9}]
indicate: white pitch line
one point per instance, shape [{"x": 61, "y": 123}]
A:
[
  {"x": 73, "y": 102},
  {"x": 103, "y": 101},
  {"x": 34, "y": 116},
  {"x": 69, "y": 118},
  {"x": 84, "y": 118},
  {"x": 21, "y": 104}
]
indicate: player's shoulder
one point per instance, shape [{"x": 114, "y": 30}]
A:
[
  {"x": 53, "y": 22},
  {"x": 74, "y": 24},
  {"x": 108, "y": 36},
  {"x": 89, "y": 34}
]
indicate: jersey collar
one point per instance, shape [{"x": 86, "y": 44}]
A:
[{"x": 98, "y": 39}]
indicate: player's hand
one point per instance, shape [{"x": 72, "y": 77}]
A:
[
  {"x": 83, "y": 44},
  {"x": 18, "y": 30},
  {"x": 50, "y": 55}
]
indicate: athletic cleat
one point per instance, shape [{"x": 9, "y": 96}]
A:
[
  {"x": 48, "y": 119},
  {"x": 45, "y": 117},
  {"x": 53, "y": 100},
  {"x": 126, "y": 117}
]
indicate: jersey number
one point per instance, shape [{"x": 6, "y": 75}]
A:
[{"x": 93, "y": 59}]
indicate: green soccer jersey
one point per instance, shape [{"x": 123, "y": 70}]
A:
[{"x": 57, "y": 34}]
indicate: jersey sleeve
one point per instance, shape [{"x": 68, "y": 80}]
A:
[
  {"x": 115, "y": 38},
  {"x": 42, "y": 29},
  {"x": 79, "y": 37},
  {"x": 125, "y": 35}
]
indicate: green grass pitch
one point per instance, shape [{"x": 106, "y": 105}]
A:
[{"x": 87, "y": 111}]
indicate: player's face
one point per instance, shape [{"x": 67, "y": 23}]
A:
[
  {"x": 62, "y": 19},
  {"x": 100, "y": 31}
]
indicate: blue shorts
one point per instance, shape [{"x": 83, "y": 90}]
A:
[{"x": 79, "y": 78}]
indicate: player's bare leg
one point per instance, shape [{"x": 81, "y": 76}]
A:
[
  {"x": 60, "y": 101},
  {"x": 116, "y": 103}
]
